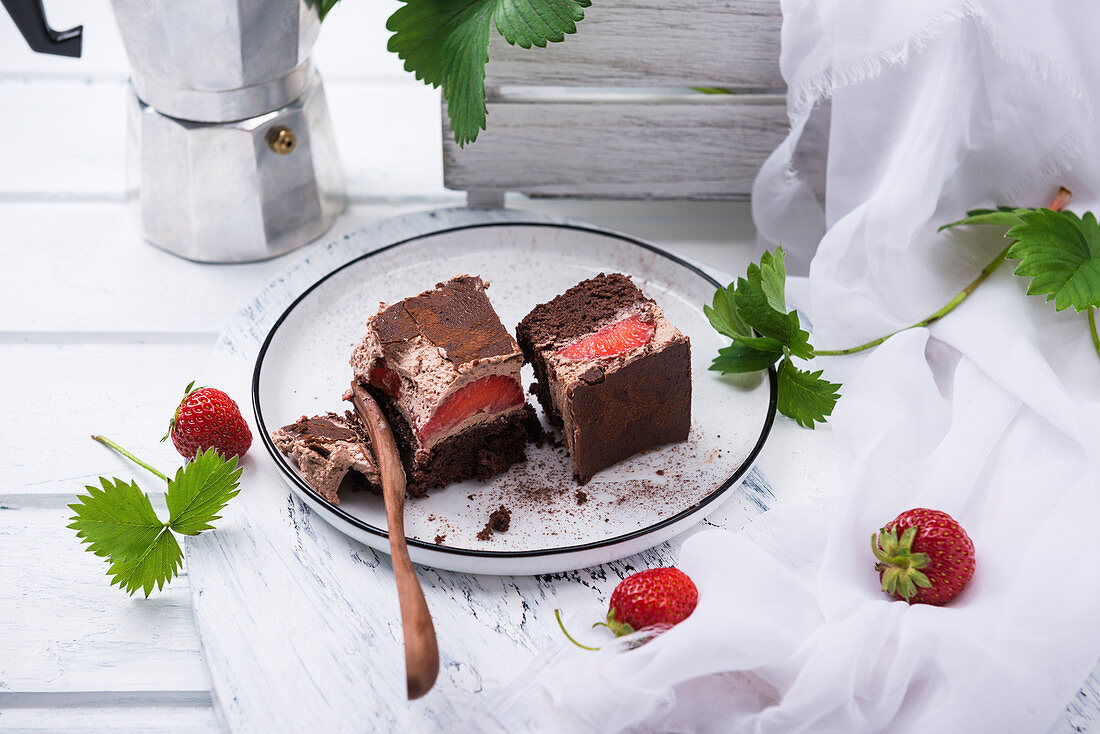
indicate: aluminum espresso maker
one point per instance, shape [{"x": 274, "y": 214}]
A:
[{"x": 230, "y": 140}]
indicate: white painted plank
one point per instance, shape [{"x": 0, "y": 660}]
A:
[
  {"x": 103, "y": 55},
  {"x": 124, "y": 390},
  {"x": 88, "y": 275},
  {"x": 733, "y": 43},
  {"x": 100, "y": 713},
  {"x": 351, "y": 46},
  {"x": 709, "y": 147},
  {"x": 63, "y": 628},
  {"x": 72, "y": 139},
  {"x": 80, "y": 267}
]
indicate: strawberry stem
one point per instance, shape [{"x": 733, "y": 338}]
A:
[
  {"x": 111, "y": 444},
  {"x": 1057, "y": 204},
  {"x": 557, "y": 616}
]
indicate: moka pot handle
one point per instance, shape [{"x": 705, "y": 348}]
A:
[{"x": 30, "y": 19}]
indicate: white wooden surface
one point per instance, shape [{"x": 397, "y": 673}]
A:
[
  {"x": 99, "y": 332},
  {"x": 644, "y": 43},
  {"x": 686, "y": 145},
  {"x": 610, "y": 111}
]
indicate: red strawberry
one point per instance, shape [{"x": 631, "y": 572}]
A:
[
  {"x": 659, "y": 596},
  {"x": 492, "y": 394},
  {"x": 621, "y": 336},
  {"x": 931, "y": 561},
  {"x": 208, "y": 418},
  {"x": 382, "y": 377}
]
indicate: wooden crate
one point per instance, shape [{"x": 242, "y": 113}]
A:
[{"x": 622, "y": 88}]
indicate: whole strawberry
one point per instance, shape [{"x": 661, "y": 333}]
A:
[
  {"x": 659, "y": 596},
  {"x": 208, "y": 418},
  {"x": 924, "y": 557}
]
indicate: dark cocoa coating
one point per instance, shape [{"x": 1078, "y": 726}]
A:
[
  {"x": 482, "y": 451},
  {"x": 579, "y": 311},
  {"x": 644, "y": 404},
  {"x": 329, "y": 427},
  {"x": 456, "y": 316}
]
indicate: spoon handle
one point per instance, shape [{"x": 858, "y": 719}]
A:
[{"x": 421, "y": 648}]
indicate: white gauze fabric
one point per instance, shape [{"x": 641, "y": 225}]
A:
[{"x": 903, "y": 116}]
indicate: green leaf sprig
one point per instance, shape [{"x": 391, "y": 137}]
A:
[
  {"x": 1058, "y": 250},
  {"x": 753, "y": 313},
  {"x": 117, "y": 521},
  {"x": 445, "y": 43}
]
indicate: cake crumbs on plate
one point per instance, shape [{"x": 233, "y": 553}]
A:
[{"x": 499, "y": 520}]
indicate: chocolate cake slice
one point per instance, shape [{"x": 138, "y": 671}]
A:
[
  {"x": 446, "y": 373},
  {"x": 332, "y": 452},
  {"x": 612, "y": 372}
]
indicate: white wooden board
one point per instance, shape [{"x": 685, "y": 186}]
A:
[
  {"x": 700, "y": 146},
  {"x": 632, "y": 43},
  {"x": 69, "y": 630},
  {"x": 278, "y": 589},
  {"x": 388, "y": 157}
]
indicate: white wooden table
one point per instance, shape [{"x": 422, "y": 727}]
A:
[{"x": 99, "y": 332}]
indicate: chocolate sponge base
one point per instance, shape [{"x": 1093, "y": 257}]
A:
[{"x": 480, "y": 452}]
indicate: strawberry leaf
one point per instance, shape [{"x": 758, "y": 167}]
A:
[
  {"x": 747, "y": 355},
  {"x": 156, "y": 566},
  {"x": 805, "y": 396},
  {"x": 446, "y": 44},
  {"x": 1060, "y": 252},
  {"x": 1004, "y": 216},
  {"x": 723, "y": 314},
  {"x": 116, "y": 520},
  {"x": 798, "y": 340},
  {"x": 754, "y": 308},
  {"x": 773, "y": 279},
  {"x": 200, "y": 490}
]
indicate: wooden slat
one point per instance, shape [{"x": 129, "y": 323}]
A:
[
  {"x": 648, "y": 43},
  {"x": 707, "y": 147},
  {"x": 103, "y": 712}
]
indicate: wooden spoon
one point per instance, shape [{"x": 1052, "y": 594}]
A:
[{"x": 421, "y": 649}]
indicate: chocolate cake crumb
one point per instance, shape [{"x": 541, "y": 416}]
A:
[
  {"x": 501, "y": 519},
  {"x": 660, "y": 472},
  {"x": 581, "y": 496},
  {"x": 440, "y": 538}
]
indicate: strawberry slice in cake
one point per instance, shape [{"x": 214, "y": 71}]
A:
[
  {"x": 613, "y": 373},
  {"x": 446, "y": 373}
]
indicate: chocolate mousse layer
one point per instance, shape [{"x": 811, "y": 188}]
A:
[
  {"x": 332, "y": 452},
  {"x": 612, "y": 396},
  {"x": 446, "y": 372}
]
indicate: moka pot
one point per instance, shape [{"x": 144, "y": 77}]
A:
[{"x": 231, "y": 146}]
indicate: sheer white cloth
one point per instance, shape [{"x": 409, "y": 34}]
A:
[{"x": 904, "y": 115}]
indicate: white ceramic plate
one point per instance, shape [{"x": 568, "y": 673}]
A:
[{"x": 302, "y": 369}]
